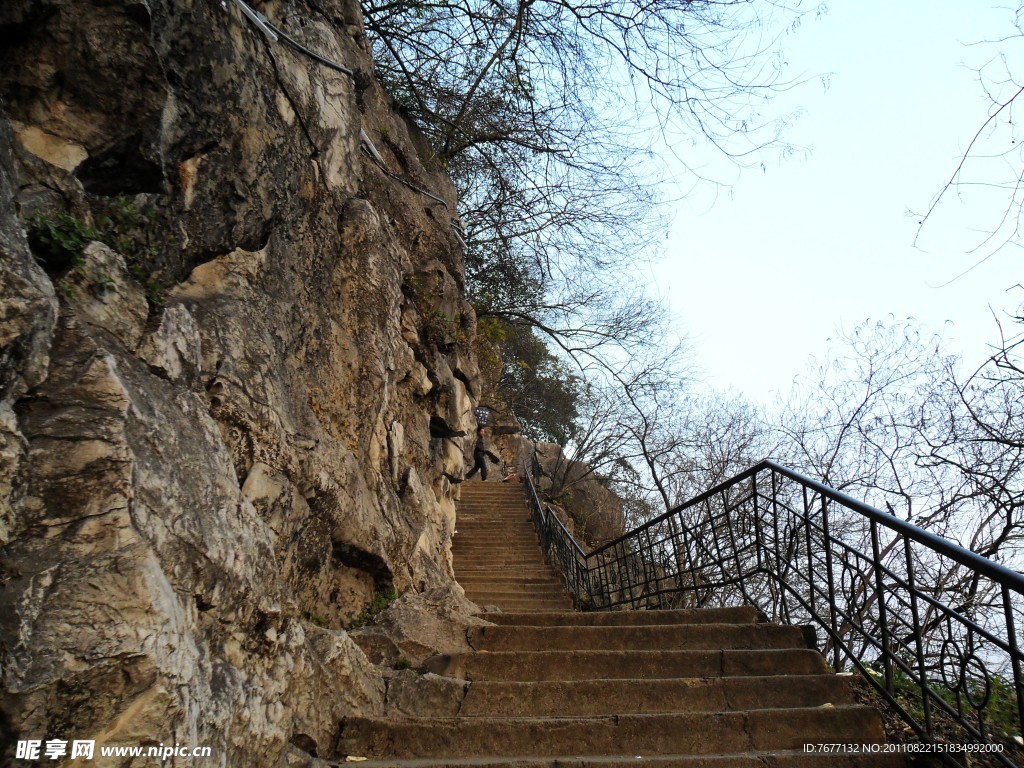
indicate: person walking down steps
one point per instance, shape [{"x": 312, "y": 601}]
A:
[{"x": 480, "y": 456}]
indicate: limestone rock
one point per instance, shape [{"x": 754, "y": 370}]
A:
[
  {"x": 28, "y": 312},
  {"x": 416, "y": 627},
  {"x": 104, "y": 296},
  {"x": 215, "y": 430},
  {"x": 411, "y": 694},
  {"x": 175, "y": 347}
]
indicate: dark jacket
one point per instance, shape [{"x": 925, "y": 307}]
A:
[{"x": 480, "y": 449}]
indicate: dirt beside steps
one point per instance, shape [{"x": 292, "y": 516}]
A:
[{"x": 551, "y": 687}]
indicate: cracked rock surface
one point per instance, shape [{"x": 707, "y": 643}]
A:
[{"x": 228, "y": 416}]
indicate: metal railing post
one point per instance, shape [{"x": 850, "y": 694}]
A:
[
  {"x": 926, "y": 701},
  {"x": 827, "y": 541},
  {"x": 890, "y": 682}
]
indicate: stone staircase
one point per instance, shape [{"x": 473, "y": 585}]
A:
[
  {"x": 550, "y": 687},
  {"x": 497, "y": 557}
]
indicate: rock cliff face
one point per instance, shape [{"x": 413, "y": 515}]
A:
[{"x": 234, "y": 372}]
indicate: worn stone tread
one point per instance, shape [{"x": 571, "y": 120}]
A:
[
  {"x": 739, "y": 615},
  {"x": 670, "y": 733},
  {"x": 649, "y": 637},
  {"x": 781, "y": 759},
  {"x": 619, "y": 665},
  {"x": 644, "y": 696}
]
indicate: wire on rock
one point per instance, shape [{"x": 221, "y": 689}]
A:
[
  {"x": 262, "y": 22},
  {"x": 311, "y": 54},
  {"x": 374, "y": 155},
  {"x": 276, "y": 35}
]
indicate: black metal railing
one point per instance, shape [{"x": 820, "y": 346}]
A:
[
  {"x": 936, "y": 628},
  {"x": 560, "y": 547}
]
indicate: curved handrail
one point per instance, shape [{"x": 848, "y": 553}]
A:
[{"x": 946, "y": 547}]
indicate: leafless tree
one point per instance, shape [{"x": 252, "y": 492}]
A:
[
  {"x": 544, "y": 113},
  {"x": 990, "y": 171},
  {"x": 891, "y": 420}
]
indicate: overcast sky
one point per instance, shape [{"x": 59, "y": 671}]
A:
[{"x": 762, "y": 275}]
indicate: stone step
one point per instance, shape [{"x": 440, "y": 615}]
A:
[
  {"x": 482, "y": 584},
  {"x": 519, "y": 590},
  {"x": 650, "y": 637},
  {"x": 497, "y": 502},
  {"x": 537, "y": 609},
  {"x": 496, "y": 497},
  {"x": 557, "y": 601},
  {"x": 524, "y": 572},
  {"x": 500, "y": 536},
  {"x": 604, "y": 697},
  {"x": 739, "y": 615},
  {"x": 549, "y": 588},
  {"x": 528, "y": 565},
  {"x": 478, "y": 552},
  {"x": 554, "y": 604},
  {"x": 481, "y": 556},
  {"x": 520, "y": 666},
  {"x": 491, "y": 542},
  {"x": 510, "y": 575},
  {"x": 494, "y": 486},
  {"x": 493, "y": 577},
  {"x": 696, "y": 733},
  {"x": 533, "y": 559},
  {"x": 498, "y": 562},
  {"x": 522, "y": 591},
  {"x": 778, "y": 759},
  {"x": 485, "y": 514},
  {"x": 490, "y": 510},
  {"x": 495, "y": 506},
  {"x": 475, "y": 490}
]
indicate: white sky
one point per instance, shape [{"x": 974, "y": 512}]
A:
[{"x": 762, "y": 276}]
